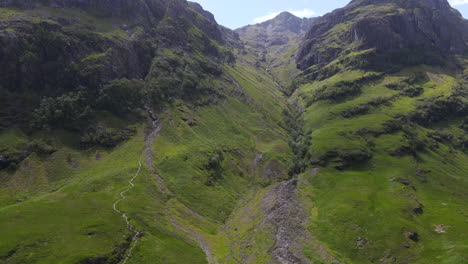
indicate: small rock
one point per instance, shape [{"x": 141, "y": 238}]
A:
[
  {"x": 406, "y": 245},
  {"x": 412, "y": 235},
  {"x": 315, "y": 171},
  {"x": 419, "y": 210},
  {"x": 440, "y": 229},
  {"x": 361, "y": 243},
  {"x": 402, "y": 181},
  {"x": 4, "y": 162},
  {"x": 192, "y": 123}
]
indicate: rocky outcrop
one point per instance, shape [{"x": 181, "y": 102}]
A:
[
  {"x": 197, "y": 7},
  {"x": 388, "y": 27},
  {"x": 121, "y": 8}
]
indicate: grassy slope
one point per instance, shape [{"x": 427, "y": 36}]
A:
[
  {"x": 63, "y": 203},
  {"x": 249, "y": 138},
  {"x": 362, "y": 202},
  {"x": 72, "y": 219}
]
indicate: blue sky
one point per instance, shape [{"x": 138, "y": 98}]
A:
[{"x": 237, "y": 13}]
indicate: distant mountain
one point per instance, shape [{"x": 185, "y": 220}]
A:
[
  {"x": 276, "y": 42},
  {"x": 278, "y": 31}
]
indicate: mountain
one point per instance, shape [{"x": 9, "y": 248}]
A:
[
  {"x": 275, "y": 42},
  {"x": 411, "y": 32},
  {"x": 145, "y": 132},
  {"x": 280, "y": 30}
]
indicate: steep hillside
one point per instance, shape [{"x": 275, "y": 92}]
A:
[
  {"x": 383, "y": 34},
  {"x": 53, "y": 48},
  {"x": 384, "y": 92},
  {"x": 129, "y": 133}
]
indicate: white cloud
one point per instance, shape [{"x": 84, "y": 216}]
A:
[
  {"x": 303, "y": 13},
  {"x": 299, "y": 13},
  {"x": 458, "y": 2},
  {"x": 266, "y": 17}
]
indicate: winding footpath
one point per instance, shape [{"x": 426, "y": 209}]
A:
[
  {"x": 149, "y": 153},
  {"x": 130, "y": 227}
]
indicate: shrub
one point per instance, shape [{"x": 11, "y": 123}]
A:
[
  {"x": 336, "y": 92},
  {"x": 413, "y": 91},
  {"x": 354, "y": 111},
  {"x": 66, "y": 111},
  {"x": 215, "y": 167},
  {"x": 179, "y": 76},
  {"x": 299, "y": 141},
  {"x": 122, "y": 96},
  {"x": 105, "y": 136},
  {"x": 457, "y": 140},
  {"x": 341, "y": 90},
  {"x": 464, "y": 124}
]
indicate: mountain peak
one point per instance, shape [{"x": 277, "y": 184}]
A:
[
  {"x": 276, "y": 31},
  {"x": 274, "y": 38},
  {"x": 285, "y": 14}
]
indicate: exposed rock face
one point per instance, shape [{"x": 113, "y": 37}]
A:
[
  {"x": 49, "y": 48},
  {"x": 122, "y": 8},
  {"x": 90, "y": 53},
  {"x": 278, "y": 31},
  {"x": 386, "y": 26},
  {"x": 197, "y": 7}
]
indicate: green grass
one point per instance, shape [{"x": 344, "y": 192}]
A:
[
  {"x": 62, "y": 203},
  {"x": 75, "y": 221},
  {"x": 363, "y": 201},
  {"x": 48, "y": 220}
]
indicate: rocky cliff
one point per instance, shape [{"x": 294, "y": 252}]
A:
[
  {"x": 48, "y": 48},
  {"x": 121, "y": 8},
  {"x": 385, "y": 26}
]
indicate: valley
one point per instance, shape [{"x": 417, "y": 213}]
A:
[{"x": 144, "y": 132}]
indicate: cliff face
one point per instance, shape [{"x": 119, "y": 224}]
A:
[
  {"x": 121, "y": 8},
  {"x": 52, "y": 48},
  {"x": 385, "y": 26},
  {"x": 147, "y": 12},
  {"x": 111, "y": 39}
]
